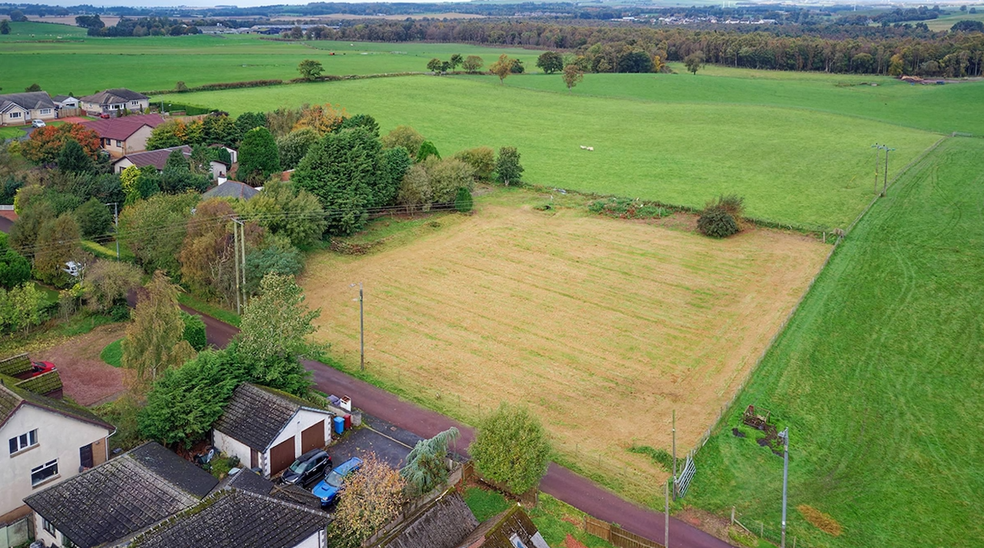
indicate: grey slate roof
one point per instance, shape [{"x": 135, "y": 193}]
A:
[
  {"x": 116, "y": 95},
  {"x": 123, "y": 496},
  {"x": 156, "y": 158},
  {"x": 231, "y": 189},
  {"x": 444, "y": 524},
  {"x": 236, "y": 518},
  {"x": 498, "y": 531},
  {"x": 255, "y": 415},
  {"x": 12, "y": 397},
  {"x": 29, "y": 101},
  {"x": 247, "y": 480}
]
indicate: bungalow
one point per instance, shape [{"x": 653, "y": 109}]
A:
[
  {"x": 268, "y": 429},
  {"x": 158, "y": 159},
  {"x": 48, "y": 442},
  {"x": 65, "y": 101},
  {"x": 112, "y": 101},
  {"x": 126, "y": 135},
  {"x": 119, "y": 498},
  {"x": 21, "y": 108}
]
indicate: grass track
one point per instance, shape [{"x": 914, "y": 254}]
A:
[
  {"x": 879, "y": 375},
  {"x": 791, "y": 166}
]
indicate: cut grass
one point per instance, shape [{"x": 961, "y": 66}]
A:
[
  {"x": 879, "y": 376},
  {"x": 210, "y": 309},
  {"x": 560, "y": 308},
  {"x": 791, "y": 166},
  {"x": 552, "y": 517},
  {"x": 113, "y": 353}
]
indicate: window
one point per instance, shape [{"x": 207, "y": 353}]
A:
[
  {"x": 48, "y": 527},
  {"x": 134, "y": 103},
  {"x": 45, "y": 111},
  {"x": 119, "y": 143},
  {"x": 14, "y": 115},
  {"x": 23, "y": 441},
  {"x": 43, "y": 472}
]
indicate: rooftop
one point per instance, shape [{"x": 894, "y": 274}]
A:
[
  {"x": 156, "y": 158},
  {"x": 255, "y": 415},
  {"x": 231, "y": 189},
  {"x": 29, "y": 101},
  {"x": 115, "y": 95},
  {"x": 124, "y": 126},
  {"x": 123, "y": 496},
  {"x": 442, "y": 524},
  {"x": 12, "y": 398}
]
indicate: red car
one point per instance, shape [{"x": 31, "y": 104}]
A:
[
  {"x": 40, "y": 368},
  {"x": 104, "y": 115}
]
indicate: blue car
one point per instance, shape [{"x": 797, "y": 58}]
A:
[{"x": 327, "y": 489}]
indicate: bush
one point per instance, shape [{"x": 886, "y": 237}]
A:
[
  {"x": 482, "y": 160},
  {"x": 427, "y": 149},
  {"x": 511, "y": 449},
  {"x": 463, "y": 201},
  {"x": 722, "y": 218},
  {"x": 194, "y": 331}
]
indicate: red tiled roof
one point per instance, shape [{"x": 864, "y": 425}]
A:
[{"x": 122, "y": 128}]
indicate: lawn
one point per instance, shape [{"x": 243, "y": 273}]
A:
[
  {"x": 113, "y": 353},
  {"x": 157, "y": 63},
  {"x": 947, "y": 21},
  {"x": 792, "y": 166},
  {"x": 602, "y": 326},
  {"x": 941, "y": 109},
  {"x": 879, "y": 376}
]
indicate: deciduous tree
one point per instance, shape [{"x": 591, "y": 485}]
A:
[
  {"x": 14, "y": 268},
  {"x": 285, "y": 209},
  {"x": 59, "y": 241},
  {"x": 94, "y": 218},
  {"x": 472, "y": 63},
  {"x": 369, "y": 499},
  {"x": 310, "y": 69},
  {"x": 550, "y": 62},
  {"x": 46, "y": 143},
  {"x": 107, "y": 284},
  {"x": 447, "y": 176},
  {"x": 502, "y": 68},
  {"x": 694, "y": 62},
  {"x": 572, "y": 75},
  {"x": 406, "y": 137},
  {"x": 4, "y": 27},
  {"x": 481, "y": 159},
  {"x": 511, "y": 448},
  {"x": 294, "y": 146},
  {"x": 507, "y": 165},
  {"x": 154, "y": 339},
  {"x": 154, "y": 230}
]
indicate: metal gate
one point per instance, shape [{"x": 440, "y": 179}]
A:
[{"x": 683, "y": 481}]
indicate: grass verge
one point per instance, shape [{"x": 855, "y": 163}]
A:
[
  {"x": 210, "y": 309},
  {"x": 113, "y": 353}
]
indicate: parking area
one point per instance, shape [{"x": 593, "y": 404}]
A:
[{"x": 390, "y": 444}]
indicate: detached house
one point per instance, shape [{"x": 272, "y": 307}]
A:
[
  {"x": 268, "y": 429},
  {"x": 112, "y": 101},
  {"x": 45, "y": 442},
  {"x": 126, "y": 135},
  {"x": 21, "y": 108},
  {"x": 112, "y": 502},
  {"x": 158, "y": 159}
]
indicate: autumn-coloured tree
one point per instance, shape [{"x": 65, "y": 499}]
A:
[
  {"x": 155, "y": 338},
  {"x": 107, "y": 283},
  {"x": 572, "y": 75},
  {"x": 369, "y": 499},
  {"x": 46, "y": 143},
  {"x": 154, "y": 229},
  {"x": 208, "y": 247},
  {"x": 502, "y": 67},
  {"x": 324, "y": 118}
]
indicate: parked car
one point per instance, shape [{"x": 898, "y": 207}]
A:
[
  {"x": 327, "y": 489},
  {"x": 40, "y": 368},
  {"x": 37, "y": 123},
  {"x": 104, "y": 115},
  {"x": 307, "y": 468}
]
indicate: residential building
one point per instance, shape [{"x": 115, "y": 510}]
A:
[
  {"x": 21, "y": 108},
  {"x": 230, "y": 189},
  {"x": 268, "y": 429},
  {"x": 46, "y": 442},
  {"x": 241, "y": 519},
  {"x": 65, "y": 101},
  {"x": 112, "y": 502},
  {"x": 112, "y": 101},
  {"x": 126, "y": 135},
  {"x": 510, "y": 529},
  {"x": 158, "y": 159}
]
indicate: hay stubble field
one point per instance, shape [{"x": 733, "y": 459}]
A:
[{"x": 602, "y": 326}]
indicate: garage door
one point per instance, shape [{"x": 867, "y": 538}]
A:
[
  {"x": 281, "y": 456},
  {"x": 314, "y": 437}
]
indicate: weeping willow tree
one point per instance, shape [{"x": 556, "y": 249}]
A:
[{"x": 427, "y": 465}]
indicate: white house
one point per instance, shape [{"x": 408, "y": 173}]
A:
[
  {"x": 20, "y": 108},
  {"x": 268, "y": 429},
  {"x": 45, "y": 442},
  {"x": 113, "y": 101},
  {"x": 65, "y": 101}
]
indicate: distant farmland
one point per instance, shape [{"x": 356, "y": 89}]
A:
[{"x": 602, "y": 326}]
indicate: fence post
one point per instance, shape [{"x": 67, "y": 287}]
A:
[{"x": 732, "y": 515}]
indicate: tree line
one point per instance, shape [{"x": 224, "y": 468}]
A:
[{"x": 834, "y": 49}]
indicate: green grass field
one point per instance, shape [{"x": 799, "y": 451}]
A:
[
  {"x": 933, "y": 108},
  {"x": 113, "y": 353},
  {"x": 157, "y": 63},
  {"x": 792, "y": 166},
  {"x": 879, "y": 376},
  {"x": 947, "y": 21},
  {"x": 35, "y": 32}
]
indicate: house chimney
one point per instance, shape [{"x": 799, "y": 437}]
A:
[{"x": 222, "y": 180}]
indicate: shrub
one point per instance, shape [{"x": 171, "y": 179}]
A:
[
  {"x": 721, "y": 219},
  {"x": 511, "y": 448},
  {"x": 194, "y": 331},
  {"x": 427, "y": 149},
  {"x": 482, "y": 160},
  {"x": 463, "y": 201}
]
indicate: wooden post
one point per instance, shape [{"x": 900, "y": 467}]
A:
[
  {"x": 666, "y": 517},
  {"x": 761, "y": 530},
  {"x": 732, "y": 515}
]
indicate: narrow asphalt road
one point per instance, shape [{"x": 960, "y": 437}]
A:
[{"x": 559, "y": 482}]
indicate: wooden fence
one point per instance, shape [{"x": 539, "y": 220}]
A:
[{"x": 620, "y": 538}]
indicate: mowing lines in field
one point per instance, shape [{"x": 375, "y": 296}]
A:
[{"x": 601, "y": 326}]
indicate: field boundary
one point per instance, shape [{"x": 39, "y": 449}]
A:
[{"x": 726, "y": 408}]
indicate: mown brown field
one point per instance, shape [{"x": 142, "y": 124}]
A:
[{"x": 601, "y": 326}]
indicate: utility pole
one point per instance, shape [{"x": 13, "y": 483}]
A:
[
  {"x": 235, "y": 260},
  {"x": 785, "y": 476},
  {"x": 116, "y": 224},
  {"x": 885, "y": 188},
  {"x": 362, "y": 332},
  {"x": 674, "y": 457},
  {"x": 877, "y": 147}
]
